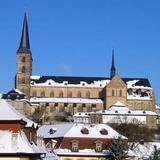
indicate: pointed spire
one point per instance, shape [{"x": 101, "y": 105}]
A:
[
  {"x": 113, "y": 68},
  {"x": 24, "y": 44}
]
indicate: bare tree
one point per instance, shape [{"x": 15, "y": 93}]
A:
[
  {"x": 135, "y": 131},
  {"x": 119, "y": 149},
  {"x": 155, "y": 155}
]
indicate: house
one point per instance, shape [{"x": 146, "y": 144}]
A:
[
  {"x": 17, "y": 135},
  {"x": 78, "y": 141},
  {"x": 119, "y": 113},
  {"x": 19, "y": 101}
]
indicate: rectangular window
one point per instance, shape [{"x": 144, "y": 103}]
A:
[
  {"x": 74, "y": 146},
  {"x": 98, "y": 147}
]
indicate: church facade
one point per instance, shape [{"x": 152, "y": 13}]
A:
[{"x": 79, "y": 94}]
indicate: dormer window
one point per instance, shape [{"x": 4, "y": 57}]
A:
[
  {"x": 116, "y": 111},
  {"x": 104, "y": 131},
  {"x": 84, "y": 131},
  {"x": 130, "y": 91},
  {"x": 52, "y": 131},
  {"x": 74, "y": 146},
  {"x": 98, "y": 146},
  {"x": 139, "y": 91}
]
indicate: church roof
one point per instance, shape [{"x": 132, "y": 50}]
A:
[{"x": 37, "y": 80}]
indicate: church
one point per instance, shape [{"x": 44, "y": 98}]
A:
[{"x": 72, "y": 94}]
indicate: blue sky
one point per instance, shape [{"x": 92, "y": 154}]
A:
[{"x": 76, "y": 37}]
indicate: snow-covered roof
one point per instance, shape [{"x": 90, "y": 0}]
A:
[
  {"x": 138, "y": 97},
  {"x": 84, "y": 152},
  {"x": 7, "y": 112},
  {"x": 118, "y": 106},
  {"x": 134, "y": 84},
  {"x": 94, "y": 131},
  {"x": 18, "y": 91},
  {"x": 129, "y": 112},
  {"x": 121, "y": 109},
  {"x": 16, "y": 143},
  {"x": 61, "y": 129},
  {"x": 66, "y": 100},
  {"x": 74, "y": 130},
  {"x": 98, "y": 83},
  {"x": 82, "y": 114},
  {"x": 157, "y": 107},
  {"x": 86, "y": 81}
]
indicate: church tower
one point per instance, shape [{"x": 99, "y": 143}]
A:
[
  {"x": 24, "y": 61},
  {"x": 113, "y": 68}
]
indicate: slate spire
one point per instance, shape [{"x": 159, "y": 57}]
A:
[
  {"x": 113, "y": 68},
  {"x": 24, "y": 44}
]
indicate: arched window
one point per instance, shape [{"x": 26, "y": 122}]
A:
[
  {"x": 61, "y": 108},
  {"x": 69, "y": 94},
  {"x": 79, "y": 95},
  {"x": 80, "y": 109},
  {"x": 52, "y": 94},
  {"x": 120, "y": 93},
  {"x": 42, "y": 94},
  {"x": 88, "y": 94},
  {"x": 23, "y": 80},
  {"x": 113, "y": 93},
  {"x": 52, "y": 108},
  {"x": 23, "y": 69},
  {"x": 34, "y": 94},
  {"x": 60, "y": 94},
  {"x": 89, "y": 109},
  {"x": 23, "y": 59}
]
